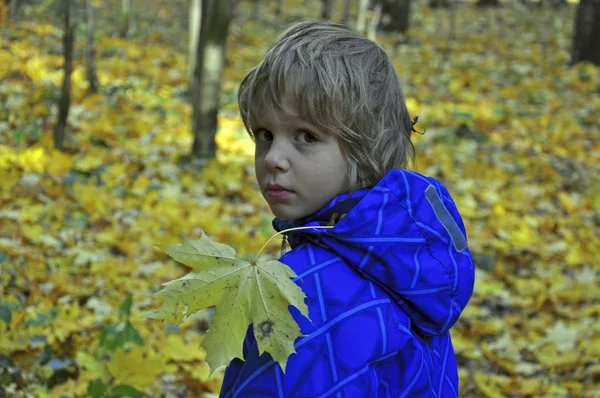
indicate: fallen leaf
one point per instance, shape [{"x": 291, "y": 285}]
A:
[{"x": 564, "y": 337}]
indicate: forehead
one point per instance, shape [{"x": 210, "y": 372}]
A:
[
  {"x": 291, "y": 90},
  {"x": 284, "y": 109}
]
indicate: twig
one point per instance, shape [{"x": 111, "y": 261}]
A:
[{"x": 288, "y": 230}]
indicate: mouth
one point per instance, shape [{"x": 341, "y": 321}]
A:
[{"x": 277, "y": 191}]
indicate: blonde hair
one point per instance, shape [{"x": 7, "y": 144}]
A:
[{"x": 342, "y": 83}]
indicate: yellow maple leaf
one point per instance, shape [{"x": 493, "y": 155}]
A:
[
  {"x": 33, "y": 159},
  {"x": 199, "y": 371},
  {"x": 243, "y": 292},
  {"x": 179, "y": 350},
  {"x": 95, "y": 367},
  {"x": 491, "y": 386},
  {"x": 140, "y": 367},
  {"x": 524, "y": 386},
  {"x": 59, "y": 164}
]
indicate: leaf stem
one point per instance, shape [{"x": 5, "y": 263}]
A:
[{"x": 288, "y": 230}]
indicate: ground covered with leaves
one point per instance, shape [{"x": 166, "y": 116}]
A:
[{"x": 509, "y": 127}]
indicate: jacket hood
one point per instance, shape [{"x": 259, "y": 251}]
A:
[{"x": 406, "y": 236}]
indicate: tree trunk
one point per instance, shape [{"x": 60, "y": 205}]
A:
[
  {"x": 375, "y": 20},
  {"x": 586, "y": 40},
  {"x": 12, "y": 10},
  {"x": 255, "y": 9},
  {"x": 488, "y": 3},
  {"x": 347, "y": 9},
  {"x": 195, "y": 15},
  {"x": 125, "y": 17},
  {"x": 208, "y": 73},
  {"x": 451, "y": 37},
  {"x": 328, "y": 8},
  {"x": 278, "y": 8},
  {"x": 90, "y": 50},
  {"x": 439, "y": 3},
  {"x": 361, "y": 18},
  {"x": 395, "y": 16},
  {"x": 65, "y": 96}
]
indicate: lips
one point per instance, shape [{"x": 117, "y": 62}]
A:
[
  {"x": 277, "y": 191},
  {"x": 276, "y": 187}
]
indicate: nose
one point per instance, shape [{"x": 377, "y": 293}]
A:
[{"x": 276, "y": 159}]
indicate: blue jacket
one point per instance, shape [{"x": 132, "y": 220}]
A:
[{"x": 383, "y": 289}]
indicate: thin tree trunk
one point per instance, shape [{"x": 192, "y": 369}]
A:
[
  {"x": 255, "y": 9},
  {"x": 451, "y": 36},
  {"x": 90, "y": 51},
  {"x": 64, "y": 102},
  {"x": 125, "y": 17},
  {"x": 197, "y": 83},
  {"x": 208, "y": 73},
  {"x": 347, "y": 10},
  {"x": 361, "y": 18},
  {"x": 278, "y": 9},
  {"x": 586, "y": 40},
  {"x": 375, "y": 19},
  {"x": 328, "y": 8},
  {"x": 195, "y": 15},
  {"x": 12, "y": 10}
]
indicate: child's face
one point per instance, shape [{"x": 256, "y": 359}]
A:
[{"x": 299, "y": 168}]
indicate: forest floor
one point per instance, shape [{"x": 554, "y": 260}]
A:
[{"x": 509, "y": 127}]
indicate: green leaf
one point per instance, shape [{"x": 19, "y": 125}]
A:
[
  {"x": 5, "y": 313},
  {"x": 125, "y": 307},
  {"x": 131, "y": 335},
  {"x": 97, "y": 389},
  {"x": 45, "y": 355},
  {"x": 110, "y": 339},
  {"x": 6, "y": 362},
  {"x": 5, "y": 380},
  {"x": 116, "y": 336},
  {"x": 243, "y": 292},
  {"x": 4, "y": 256},
  {"x": 125, "y": 390}
]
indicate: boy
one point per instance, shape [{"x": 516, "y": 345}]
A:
[{"x": 385, "y": 285}]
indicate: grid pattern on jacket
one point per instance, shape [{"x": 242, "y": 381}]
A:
[{"x": 380, "y": 313}]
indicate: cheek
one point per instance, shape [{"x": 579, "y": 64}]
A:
[
  {"x": 339, "y": 171},
  {"x": 257, "y": 153},
  {"x": 258, "y": 168},
  {"x": 327, "y": 179},
  {"x": 259, "y": 158}
]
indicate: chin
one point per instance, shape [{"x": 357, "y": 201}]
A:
[{"x": 286, "y": 215}]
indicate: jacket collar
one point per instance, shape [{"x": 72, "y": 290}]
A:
[{"x": 330, "y": 214}]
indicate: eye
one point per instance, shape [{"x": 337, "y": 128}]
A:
[
  {"x": 263, "y": 135},
  {"x": 306, "y": 137}
]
